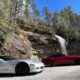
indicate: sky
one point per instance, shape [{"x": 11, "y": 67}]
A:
[{"x": 58, "y": 5}]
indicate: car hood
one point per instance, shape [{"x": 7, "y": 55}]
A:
[{"x": 36, "y": 62}]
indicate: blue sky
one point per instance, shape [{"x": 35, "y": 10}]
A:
[{"x": 57, "y": 5}]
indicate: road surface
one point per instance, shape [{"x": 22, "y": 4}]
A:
[{"x": 50, "y": 73}]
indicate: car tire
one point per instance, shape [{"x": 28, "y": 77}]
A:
[
  {"x": 77, "y": 61},
  {"x": 50, "y": 64},
  {"x": 22, "y": 69}
]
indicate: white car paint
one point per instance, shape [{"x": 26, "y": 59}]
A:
[{"x": 8, "y": 66}]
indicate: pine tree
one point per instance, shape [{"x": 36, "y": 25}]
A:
[
  {"x": 36, "y": 14},
  {"x": 48, "y": 16}
]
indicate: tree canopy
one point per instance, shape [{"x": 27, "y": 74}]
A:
[{"x": 16, "y": 13}]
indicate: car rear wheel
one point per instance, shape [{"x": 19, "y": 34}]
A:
[
  {"x": 22, "y": 69},
  {"x": 50, "y": 64},
  {"x": 77, "y": 61}
]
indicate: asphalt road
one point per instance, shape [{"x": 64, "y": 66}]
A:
[{"x": 49, "y": 73}]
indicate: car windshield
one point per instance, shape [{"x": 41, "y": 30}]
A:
[
  {"x": 6, "y": 58},
  {"x": 57, "y": 55}
]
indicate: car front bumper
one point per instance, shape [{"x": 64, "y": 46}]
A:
[{"x": 36, "y": 68}]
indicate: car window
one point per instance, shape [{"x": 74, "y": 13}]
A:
[
  {"x": 7, "y": 58},
  {"x": 57, "y": 55}
]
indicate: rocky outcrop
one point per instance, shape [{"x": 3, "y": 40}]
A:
[
  {"x": 39, "y": 39},
  {"x": 21, "y": 45}
]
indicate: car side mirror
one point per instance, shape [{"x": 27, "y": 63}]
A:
[{"x": 1, "y": 60}]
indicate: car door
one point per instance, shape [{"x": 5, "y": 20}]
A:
[
  {"x": 64, "y": 60},
  {"x": 4, "y": 66}
]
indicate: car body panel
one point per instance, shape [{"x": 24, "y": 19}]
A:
[
  {"x": 10, "y": 65},
  {"x": 61, "y": 59}
]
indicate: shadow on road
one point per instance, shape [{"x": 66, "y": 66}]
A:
[
  {"x": 63, "y": 65},
  {"x": 14, "y": 75}
]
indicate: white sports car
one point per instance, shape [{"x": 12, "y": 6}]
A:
[{"x": 20, "y": 67}]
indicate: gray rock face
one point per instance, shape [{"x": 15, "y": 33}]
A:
[
  {"x": 20, "y": 46},
  {"x": 39, "y": 39},
  {"x": 17, "y": 47}
]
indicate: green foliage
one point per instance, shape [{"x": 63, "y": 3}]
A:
[
  {"x": 48, "y": 16},
  {"x": 7, "y": 25},
  {"x": 65, "y": 23},
  {"x": 55, "y": 20}
]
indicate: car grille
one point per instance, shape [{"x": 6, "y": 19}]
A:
[{"x": 40, "y": 67}]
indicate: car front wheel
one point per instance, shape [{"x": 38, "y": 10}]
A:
[{"x": 22, "y": 69}]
